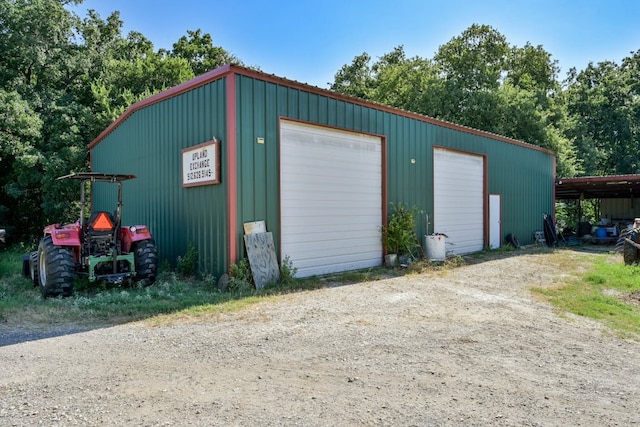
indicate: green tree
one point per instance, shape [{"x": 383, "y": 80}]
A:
[
  {"x": 20, "y": 130},
  {"x": 411, "y": 84},
  {"x": 531, "y": 68},
  {"x": 355, "y": 79},
  {"x": 475, "y": 60},
  {"x": 40, "y": 74},
  {"x": 602, "y": 101},
  {"x": 123, "y": 70},
  {"x": 476, "y": 80},
  {"x": 201, "y": 54},
  {"x": 63, "y": 79}
]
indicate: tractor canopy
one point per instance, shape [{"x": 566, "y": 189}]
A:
[
  {"x": 98, "y": 177},
  {"x": 104, "y": 220}
]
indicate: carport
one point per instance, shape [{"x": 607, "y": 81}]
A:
[
  {"x": 598, "y": 187},
  {"x": 615, "y": 197}
]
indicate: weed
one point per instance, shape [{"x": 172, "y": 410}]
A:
[
  {"x": 209, "y": 281},
  {"x": 240, "y": 277},
  {"x": 287, "y": 271},
  {"x": 187, "y": 266},
  {"x": 164, "y": 266},
  {"x": 426, "y": 265}
]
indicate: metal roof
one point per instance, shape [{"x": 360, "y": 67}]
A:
[{"x": 598, "y": 187}]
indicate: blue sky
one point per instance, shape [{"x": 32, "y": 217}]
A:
[{"x": 309, "y": 40}]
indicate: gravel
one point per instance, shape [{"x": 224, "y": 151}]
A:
[{"x": 468, "y": 346}]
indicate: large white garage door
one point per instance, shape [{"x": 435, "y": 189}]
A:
[
  {"x": 458, "y": 198},
  {"x": 330, "y": 198}
]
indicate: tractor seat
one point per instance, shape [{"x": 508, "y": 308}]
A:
[{"x": 101, "y": 224}]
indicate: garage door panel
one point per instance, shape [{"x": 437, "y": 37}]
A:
[
  {"x": 355, "y": 152},
  {"x": 459, "y": 200},
  {"x": 321, "y": 223},
  {"x": 325, "y": 260},
  {"x": 328, "y": 208},
  {"x": 310, "y": 175},
  {"x": 331, "y": 198},
  {"x": 344, "y": 190},
  {"x": 320, "y": 207},
  {"x": 309, "y": 249},
  {"x": 316, "y": 232},
  {"x": 457, "y": 204},
  {"x": 319, "y": 138},
  {"x": 331, "y": 265},
  {"x": 464, "y": 227},
  {"x": 342, "y": 184},
  {"x": 462, "y": 217}
]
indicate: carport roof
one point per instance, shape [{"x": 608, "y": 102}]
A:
[{"x": 598, "y": 187}]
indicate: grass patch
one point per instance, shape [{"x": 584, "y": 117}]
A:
[
  {"x": 602, "y": 293},
  {"x": 22, "y": 305},
  {"x": 11, "y": 261},
  {"x": 599, "y": 289}
]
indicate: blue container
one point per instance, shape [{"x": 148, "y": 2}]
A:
[{"x": 601, "y": 233}]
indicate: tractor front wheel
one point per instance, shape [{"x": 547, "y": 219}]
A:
[
  {"x": 33, "y": 269},
  {"x": 146, "y": 259},
  {"x": 55, "y": 269}
]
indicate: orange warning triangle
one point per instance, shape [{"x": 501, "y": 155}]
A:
[{"x": 102, "y": 222}]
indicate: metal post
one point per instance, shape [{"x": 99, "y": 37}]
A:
[
  {"x": 82, "y": 205},
  {"x": 119, "y": 213}
]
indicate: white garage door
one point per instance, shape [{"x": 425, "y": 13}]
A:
[
  {"x": 330, "y": 198},
  {"x": 458, "y": 181}
]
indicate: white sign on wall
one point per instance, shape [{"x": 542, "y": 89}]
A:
[{"x": 201, "y": 164}]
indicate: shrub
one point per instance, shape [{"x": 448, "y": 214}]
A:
[{"x": 398, "y": 235}]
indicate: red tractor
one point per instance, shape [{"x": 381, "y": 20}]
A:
[{"x": 97, "y": 247}]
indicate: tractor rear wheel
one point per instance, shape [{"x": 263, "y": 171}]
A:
[
  {"x": 55, "y": 269},
  {"x": 146, "y": 259},
  {"x": 630, "y": 252}
]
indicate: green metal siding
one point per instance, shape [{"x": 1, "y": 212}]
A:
[
  {"x": 523, "y": 177},
  {"x": 148, "y": 144}
]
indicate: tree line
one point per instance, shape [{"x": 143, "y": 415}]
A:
[
  {"x": 65, "y": 78},
  {"x": 590, "y": 119}
]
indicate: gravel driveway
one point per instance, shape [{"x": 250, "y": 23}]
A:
[{"x": 468, "y": 346}]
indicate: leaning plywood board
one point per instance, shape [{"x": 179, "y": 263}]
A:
[
  {"x": 255, "y": 227},
  {"x": 262, "y": 258}
]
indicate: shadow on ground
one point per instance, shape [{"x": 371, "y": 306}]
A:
[{"x": 11, "y": 337}]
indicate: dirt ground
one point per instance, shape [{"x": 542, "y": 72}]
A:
[{"x": 468, "y": 346}]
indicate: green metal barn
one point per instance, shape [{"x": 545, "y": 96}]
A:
[{"x": 321, "y": 169}]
